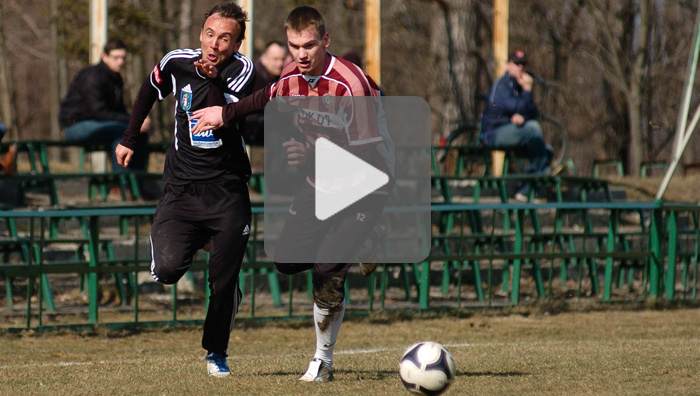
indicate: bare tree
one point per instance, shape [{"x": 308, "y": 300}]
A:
[
  {"x": 451, "y": 49},
  {"x": 55, "y": 84},
  {"x": 620, "y": 51},
  {"x": 7, "y": 96},
  {"x": 616, "y": 66},
  {"x": 667, "y": 60},
  {"x": 183, "y": 38}
]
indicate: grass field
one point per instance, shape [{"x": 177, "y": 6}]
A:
[{"x": 647, "y": 352}]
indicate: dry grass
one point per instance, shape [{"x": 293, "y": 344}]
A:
[
  {"x": 596, "y": 353},
  {"x": 680, "y": 188}
]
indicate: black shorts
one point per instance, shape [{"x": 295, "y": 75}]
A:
[{"x": 192, "y": 215}]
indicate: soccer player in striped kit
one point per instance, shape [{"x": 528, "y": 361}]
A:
[
  {"x": 316, "y": 72},
  {"x": 206, "y": 200}
]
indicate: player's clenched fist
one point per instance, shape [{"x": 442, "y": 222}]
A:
[
  {"x": 296, "y": 153},
  {"x": 123, "y": 155}
]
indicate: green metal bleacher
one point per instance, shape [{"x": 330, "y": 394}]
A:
[
  {"x": 475, "y": 231},
  {"x": 42, "y": 177}
]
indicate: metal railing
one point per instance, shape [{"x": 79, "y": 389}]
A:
[{"x": 568, "y": 248}]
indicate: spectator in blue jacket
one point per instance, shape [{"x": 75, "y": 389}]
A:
[{"x": 510, "y": 121}]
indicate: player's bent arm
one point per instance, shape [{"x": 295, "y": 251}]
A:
[{"x": 145, "y": 99}]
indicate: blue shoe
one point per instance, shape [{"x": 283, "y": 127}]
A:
[{"x": 216, "y": 365}]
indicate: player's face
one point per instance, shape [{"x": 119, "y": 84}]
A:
[
  {"x": 218, "y": 38},
  {"x": 308, "y": 50},
  {"x": 273, "y": 59},
  {"x": 115, "y": 60}
]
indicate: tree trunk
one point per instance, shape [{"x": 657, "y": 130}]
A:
[
  {"x": 54, "y": 87},
  {"x": 183, "y": 39},
  {"x": 635, "y": 89},
  {"x": 452, "y": 41},
  {"x": 636, "y": 145},
  {"x": 7, "y": 98}
]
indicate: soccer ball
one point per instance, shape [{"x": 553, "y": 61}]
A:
[{"x": 427, "y": 369}]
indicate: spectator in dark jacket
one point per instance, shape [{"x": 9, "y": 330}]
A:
[
  {"x": 94, "y": 111},
  {"x": 267, "y": 70},
  {"x": 510, "y": 116}
]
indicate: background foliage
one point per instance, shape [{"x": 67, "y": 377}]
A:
[{"x": 616, "y": 67}]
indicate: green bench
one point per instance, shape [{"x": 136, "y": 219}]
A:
[
  {"x": 100, "y": 253},
  {"x": 522, "y": 241},
  {"x": 41, "y": 176}
]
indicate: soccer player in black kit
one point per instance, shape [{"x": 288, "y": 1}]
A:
[{"x": 205, "y": 199}]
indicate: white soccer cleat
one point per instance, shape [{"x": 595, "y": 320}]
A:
[{"x": 319, "y": 371}]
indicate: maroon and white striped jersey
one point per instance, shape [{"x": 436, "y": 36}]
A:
[{"x": 340, "y": 79}]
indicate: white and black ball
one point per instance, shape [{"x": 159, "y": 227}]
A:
[{"x": 427, "y": 368}]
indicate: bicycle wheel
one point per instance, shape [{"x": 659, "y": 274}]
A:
[
  {"x": 556, "y": 136},
  {"x": 457, "y": 161},
  {"x": 466, "y": 133}
]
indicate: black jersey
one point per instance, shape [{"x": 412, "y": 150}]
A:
[{"x": 209, "y": 156}]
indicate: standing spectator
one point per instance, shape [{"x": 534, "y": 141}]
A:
[
  {"x": 93, "y": 110},
  {"x": 267, "y": 70},
  {"x": 510, "y": 121},
  {"x": 307, "y": 243},
  {"x": 206, "y": 194}
]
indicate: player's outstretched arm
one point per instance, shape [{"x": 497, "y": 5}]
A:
[{"x": 215, "y": 117}]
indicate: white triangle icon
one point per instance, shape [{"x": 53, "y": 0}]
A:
[{"x": 342, "y": 179}]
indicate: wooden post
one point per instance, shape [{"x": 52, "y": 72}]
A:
[
  {"x": 373, "y": 39},
  {"x": 98, "y": 38},
  {"x": 500, "y": 36},
  {"x": 247, "y": 46},
  {"x": 98, "y": 29},
  {"x": 500, "y": 57}
]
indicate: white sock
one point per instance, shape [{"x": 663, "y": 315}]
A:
[{"x": 326, "y": 338}]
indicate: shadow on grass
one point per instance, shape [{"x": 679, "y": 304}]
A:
[
  {"x": 380, "y": 375},
  {"x": 494, "y": 374}
]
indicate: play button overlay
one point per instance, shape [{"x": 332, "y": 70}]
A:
[
  {"x": 357, "y": 189},
  {"x": 342, "y": 179}
]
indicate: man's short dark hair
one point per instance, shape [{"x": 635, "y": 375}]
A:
[
  {"x": 305, "y": 17},
  {"x": 274, "y": 42},
  {"x": 230, "y": 11},
  {"x": 113, "y": 44}
]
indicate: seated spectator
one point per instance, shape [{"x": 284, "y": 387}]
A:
[
  {"x": 509, "y": 119},
  {"x": 267, "y": 70},
  {"x": 93, "y": 111}
]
